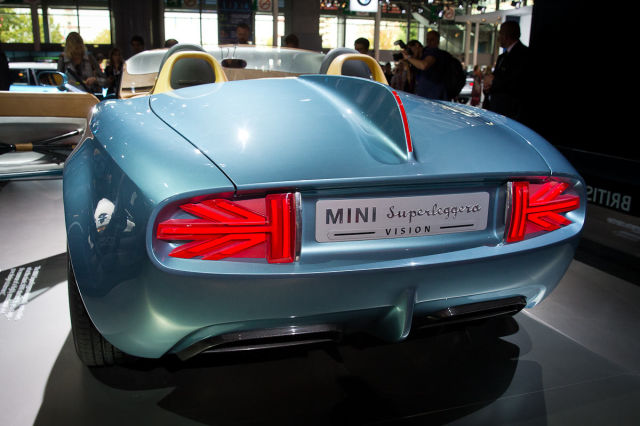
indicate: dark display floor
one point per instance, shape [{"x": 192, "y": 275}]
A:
[{"x": 574, "y": 359}]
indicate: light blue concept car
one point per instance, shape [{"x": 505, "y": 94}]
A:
[{"x": 252, "y": 197}]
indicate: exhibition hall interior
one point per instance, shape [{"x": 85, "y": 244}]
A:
[{"x": 309, "y": 212}]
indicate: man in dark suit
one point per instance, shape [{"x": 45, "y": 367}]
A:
[{"x": 512, "y": 82}]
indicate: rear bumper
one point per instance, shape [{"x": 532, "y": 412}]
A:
[
  {"x": 319, "y": 333},
  {"x": 161, "y": 312}
]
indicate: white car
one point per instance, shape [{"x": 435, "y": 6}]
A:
[{"x": 465, "y": 94}]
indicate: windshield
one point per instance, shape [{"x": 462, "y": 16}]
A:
[{"x": 258, "y": 58}]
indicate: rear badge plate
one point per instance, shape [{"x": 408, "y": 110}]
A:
[{"x": 400, "y": 217}]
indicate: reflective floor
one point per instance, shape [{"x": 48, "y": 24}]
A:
[{"x": 574, "y": 359}]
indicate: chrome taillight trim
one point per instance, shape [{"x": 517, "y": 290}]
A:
[
  {"x": 507, "y": 210},
  {"x": 298, "y": 205}
]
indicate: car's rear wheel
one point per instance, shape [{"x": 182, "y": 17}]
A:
[{"x": 92, "y": 349}]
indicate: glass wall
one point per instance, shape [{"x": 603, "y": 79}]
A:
[
  {"x": 201, "y": 26},
  {"x": 329, "y": 31},
  {"x": 264, "y": 30},
  {"x": 192, "y": 22},
  {"x": 197, "y": 22},
  {"x": 184, "y": 27},
  {"x": 486, "y": 38},
  {"x": 391, "y": 31},
  {"x": 15, "y": 25},
  {"x": 356, "y": 28},
  {"x": 352, "y": 28},
  {"x": 452, "y": 38},
  {"x": 91, "y": 19},
  {"x": 60, "y": 22},
  {"x": 209, "y": 29},
  {"x": 93, "y": 24}
]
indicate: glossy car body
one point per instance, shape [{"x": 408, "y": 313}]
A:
[{"x": 323, "y": 139}]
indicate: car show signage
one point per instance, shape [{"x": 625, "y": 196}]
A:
[
  {"x": 265, "y": 5},
  {"x": 449, "y": 13},
  {"x": 363, "y": 6}
]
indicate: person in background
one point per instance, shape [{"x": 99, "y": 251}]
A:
[
  {"x": 137, "y": 44},
  {"x": 80, "y": 66},
  {"x": 386, "y": 68},
  {"x": 487, "y": 79},
  {"x": 428, "y": 61},
  {"x": 5, "y": 76},
  {"x": 114, "y": 70},
  {"x": 401, "y": 79},
  {"x": 362, "y": 45},
  {"x": 243, "y": 33},
  {"x": 511, "y": 86},
  {"x": 291, "y": 41},
  {"x": 101, "y": 60},
  {"x": 171, "y": 42},
  {"x": 476, "y": 90}
]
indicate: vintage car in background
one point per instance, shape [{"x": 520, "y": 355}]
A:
[
  {"x": 246, "y": 198},
  {"x": 42, "y": 119},
  {"x": 38, "y": 77},
  {"x": 24, "y": 76}
]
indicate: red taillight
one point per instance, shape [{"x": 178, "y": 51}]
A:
[
  {"x": 536, "y": 207},
  {"x": 255, "y": 228}
]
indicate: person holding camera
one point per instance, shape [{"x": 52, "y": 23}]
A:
[{"x": 428, "y": 62}]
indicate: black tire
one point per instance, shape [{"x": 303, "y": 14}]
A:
[{"x": 92, "y": 349}]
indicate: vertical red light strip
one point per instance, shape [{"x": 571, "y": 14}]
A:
[
  {"x": 281, "y": 217},
  {"x": 523, "y": 189},
  {"x": 286, "y": 228},
  {"x": 405, "y": 122},
  {"x": 519, "y": 197}
]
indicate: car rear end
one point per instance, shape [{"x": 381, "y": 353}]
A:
[{"x": 352, "y": 209}]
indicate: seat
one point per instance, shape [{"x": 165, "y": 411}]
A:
[
  {"x": 344, "y": 61},
  {"x": 351, "y": 68},
  {"x": 186, "y": 65}
]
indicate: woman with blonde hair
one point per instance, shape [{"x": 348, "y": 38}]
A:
[
  {"x": 113, "y": 72},
  {"x": 80, "y": 66}
]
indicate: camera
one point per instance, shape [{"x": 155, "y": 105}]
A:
[{"x": 398, "y": 56}]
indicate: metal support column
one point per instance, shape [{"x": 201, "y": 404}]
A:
[
  {"x": 467, "y": 43},
  {"x": 275, "y": 23},
  {"x": 476, "y": 39},
  {"x": 409, "y": 23},
  {"x": 35, "y": 26},
  {"x": 376, "y": 34}
]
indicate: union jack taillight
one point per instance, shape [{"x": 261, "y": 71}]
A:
[
  {"x": 220, "y": 228},
  {"x": 537, "y": 207}
]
